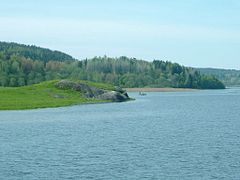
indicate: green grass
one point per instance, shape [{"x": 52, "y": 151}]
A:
[{"x": 43, "y": 95}]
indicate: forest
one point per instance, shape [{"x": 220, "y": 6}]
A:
[
  {"x": 230, "y": 77},
  {"x": 32, "y": 52},
  {"x": 22, "y": 65}
]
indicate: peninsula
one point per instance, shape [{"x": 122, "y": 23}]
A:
[{"x": 58, "y": 93}]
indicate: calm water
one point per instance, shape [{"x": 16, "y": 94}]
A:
[{"x": 190, "y": 135}]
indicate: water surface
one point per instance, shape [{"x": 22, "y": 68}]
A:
[{"x": 181, "y": 135}]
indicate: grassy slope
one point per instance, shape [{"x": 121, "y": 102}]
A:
[{"x": 43, "y": 95}]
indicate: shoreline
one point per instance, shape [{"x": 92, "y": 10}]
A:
[
  {"x": 56, "y": 93},
  {"x": 160, "y": 90}
]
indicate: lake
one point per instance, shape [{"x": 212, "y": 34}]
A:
[{"x": 177, "y": 135}]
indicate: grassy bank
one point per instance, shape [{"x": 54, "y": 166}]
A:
[{"x": 44, "y": 95}]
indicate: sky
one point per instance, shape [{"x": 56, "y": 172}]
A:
[{"x": 197, "y": 33}]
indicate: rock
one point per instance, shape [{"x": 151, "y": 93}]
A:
[
  {"x": 126, "y": 94},
  {"x": 114, "y": 96},
  {"x": 92, "y": 92},
  {"x": 65, "y": 84},
  {"x": 119, "y": 89}
]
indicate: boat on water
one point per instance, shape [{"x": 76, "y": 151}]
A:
[{"x": 142, "y": 93}]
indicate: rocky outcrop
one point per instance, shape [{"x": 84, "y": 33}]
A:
[
  {"x": 114, "y": 96},
  {"x": 118, "y": 95}
]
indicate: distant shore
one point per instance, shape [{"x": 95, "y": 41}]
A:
[{"x": 159, "y": 90}]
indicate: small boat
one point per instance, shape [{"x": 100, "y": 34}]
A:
[{"x": 142, "y": 94}]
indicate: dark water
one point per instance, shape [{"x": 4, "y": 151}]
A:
[{"x": 190, "y": 135}]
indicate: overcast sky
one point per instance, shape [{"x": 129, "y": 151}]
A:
[{"x": 199, "y": 33}]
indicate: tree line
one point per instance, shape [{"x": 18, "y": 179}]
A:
[
  {"x": 19, "y": 70},
  {"x": 32, "y": 52},
  {"x": 230, "y": 77}
]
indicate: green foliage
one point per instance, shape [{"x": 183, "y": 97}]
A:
[
  {"x": 210, "y": 82},
  {"x": 18, "y": 69},
  {"x": 41, "y": 96},
  {"x": 229, "y": 77},
  {"x": 32, "y": 52}
]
